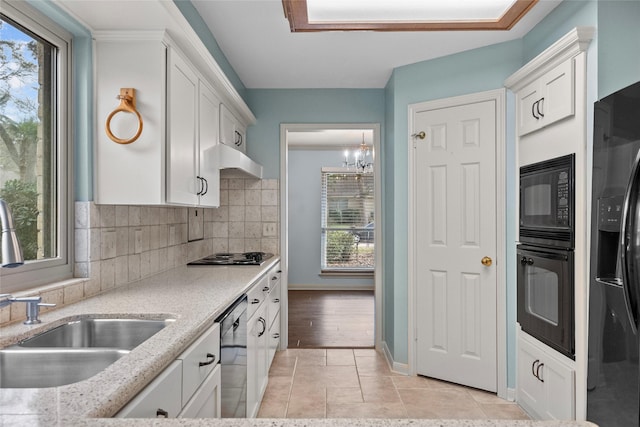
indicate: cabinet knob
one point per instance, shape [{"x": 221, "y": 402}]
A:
[
  {"x": 265, "y": 289},
  {"x": 255, "y": 301}
]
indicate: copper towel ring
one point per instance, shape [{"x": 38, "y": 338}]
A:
[{"x": 127, "y": 99}]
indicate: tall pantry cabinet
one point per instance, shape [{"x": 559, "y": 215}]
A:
[{"x": 551, "y": 120}]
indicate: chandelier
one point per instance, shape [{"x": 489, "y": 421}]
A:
[{"x": 360, "y": 158}]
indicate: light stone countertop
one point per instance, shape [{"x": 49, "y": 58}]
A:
[{"x": 195, "y": 296}]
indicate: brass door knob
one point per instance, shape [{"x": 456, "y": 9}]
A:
[{"x": 486, "y": 261}]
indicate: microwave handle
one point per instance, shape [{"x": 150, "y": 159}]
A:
[{"x": 629, "y": 249}]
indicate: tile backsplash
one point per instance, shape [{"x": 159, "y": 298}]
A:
[{"x": 117, "y": 245}]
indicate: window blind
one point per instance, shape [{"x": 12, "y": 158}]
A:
[{"x": 348, "y": 215}]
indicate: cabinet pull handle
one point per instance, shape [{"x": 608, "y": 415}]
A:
[
  {"x": 533, "y": 110},
  {"x": 540, "y": 107},
  {"x": 206, "y": 186},
  {"x": 274, "y": 278},
  {"x": 201, "y": 185},
  {"x": 279, "y": 271},
  {"x": 255, "y": 301},
  {"x": 208, "y": 362},
  {"x": 276, "y": 335},
  {"x": 264, "y": 326},
  {"x": 265, "y": 289},
  {"x": 161, "y": 413},
  {"x": 533, "y": 368},
  {"x": 539, "y": 373},
  {"x": 276, "y": 300}
]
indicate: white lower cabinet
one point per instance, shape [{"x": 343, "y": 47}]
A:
[
  {"x": 545, "y": 381},
  {"x": 257, "y": 369},
  {"x": 160, "y": 399},
  {"x": 205, "y": 403},
  {"x": 188, "y": 388},
  {"x": 263, "y": 338}
]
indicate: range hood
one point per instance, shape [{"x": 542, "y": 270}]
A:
[{"x": 231, "y": 162}]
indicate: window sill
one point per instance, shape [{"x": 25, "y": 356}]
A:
[{"x": 369, "y": 274}]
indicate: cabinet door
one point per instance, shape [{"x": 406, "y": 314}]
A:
[
  {"x": 227, "y": 126},
  {"x": 530, "y": 390},
  {"x": 206, "y": 401},
  {"x": 161, "y": 398},
  {"x": 558, "y": 88},
  {"x": 274, "y": 339},
  {"x": 181, "y": 123},
  {"x": 199, "y": 360},
  {"x": 209, "y": 173},
  {"x": 559, "y": 390},
  {"x": 528, "y": 117},
  {"x": 257, "y": 373}
]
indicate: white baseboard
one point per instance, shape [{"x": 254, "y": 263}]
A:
[
  {"x": 511, "y": 394},
  {"x": 399, "y": 368}
]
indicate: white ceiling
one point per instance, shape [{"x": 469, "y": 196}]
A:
[{"x": 255, "y": 37}]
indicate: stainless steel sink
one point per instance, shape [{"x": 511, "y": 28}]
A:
[
  {"x": 105, "y": 333},
  {"x": 39, "y": 368}
]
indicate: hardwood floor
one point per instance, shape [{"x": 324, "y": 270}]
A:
[{"x": 331, "y": 319}]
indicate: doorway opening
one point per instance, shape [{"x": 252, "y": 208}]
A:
[{"x": 331, "y": 205}]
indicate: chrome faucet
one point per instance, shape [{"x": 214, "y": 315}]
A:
[
  {"x": 11, "y": 250},
  {"x": 33, "y": 306}
]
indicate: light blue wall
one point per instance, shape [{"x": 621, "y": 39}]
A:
[
  {"x": 464, "y": 73},
  {"x": 305, "y": 186},
  {"x": 83, "y": 98},
  {"x": 275, "y": 106},
  {"x": 618, "y": 41}
]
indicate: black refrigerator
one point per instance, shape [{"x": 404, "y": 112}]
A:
[{"x": 613, "y": 399}]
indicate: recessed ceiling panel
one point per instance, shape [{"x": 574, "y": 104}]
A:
[{"x": 406, "y": 10}]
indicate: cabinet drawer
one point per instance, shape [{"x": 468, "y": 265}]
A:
[
  {"x": 274, "y": 304},
  {"x": 205, "y": 403},
  {"x": 161, "y": 398},
  {"x": 257, "y": 295},
  {"x": 199, "y": 360}
]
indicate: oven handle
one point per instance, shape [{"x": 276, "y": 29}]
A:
[
  {"x": 528, "y": 252},
  {"x": 627, "y": 245}
]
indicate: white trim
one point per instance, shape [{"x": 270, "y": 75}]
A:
[
  {"x": 400, "y": 368},
  {"x": 284, "y": 190},
  {"x": 574, "y": 42},
  {"x": 499, "y": 97},
  {"x": 330, "y": 287}
]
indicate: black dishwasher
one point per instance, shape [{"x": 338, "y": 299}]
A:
[{"x": 233, "y": 359}]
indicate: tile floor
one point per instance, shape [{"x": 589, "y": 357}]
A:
[{"x": 357, "y": 383}]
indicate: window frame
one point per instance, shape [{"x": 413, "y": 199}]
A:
[
  {"x": 339, "y": 271},
  {"x": 61, "y": 267}
]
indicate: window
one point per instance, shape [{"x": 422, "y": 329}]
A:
[
  {"x": 348, "y": 201},
  {"x": 34, "y": 143}
]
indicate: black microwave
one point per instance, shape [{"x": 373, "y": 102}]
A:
[{"x": 547, "y": 202}]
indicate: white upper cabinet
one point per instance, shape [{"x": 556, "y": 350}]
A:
[
  {"x": 192, "y": 122},
  {"x": 209, "y": 173},
  {"x": 182, "y": 121},
  {"x": 171, "y": 163},
  {"x": 547, "y": 100},
  {"x": 232, "y": 132}
]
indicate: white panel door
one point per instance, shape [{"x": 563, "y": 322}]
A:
[{"x": 456, "y": 228}]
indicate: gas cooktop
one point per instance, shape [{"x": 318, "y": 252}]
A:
[{"x": 246, "y": 258}]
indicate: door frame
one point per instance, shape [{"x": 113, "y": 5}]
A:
[
  {"x": 284, "y": 219},
  {"x": 499, "y": 97}
]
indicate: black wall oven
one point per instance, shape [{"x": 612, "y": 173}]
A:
[
  {"x": 545, "y": 254},
  {"x": 546, "y": 296},
  {"x": 547, "y": 202}
]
